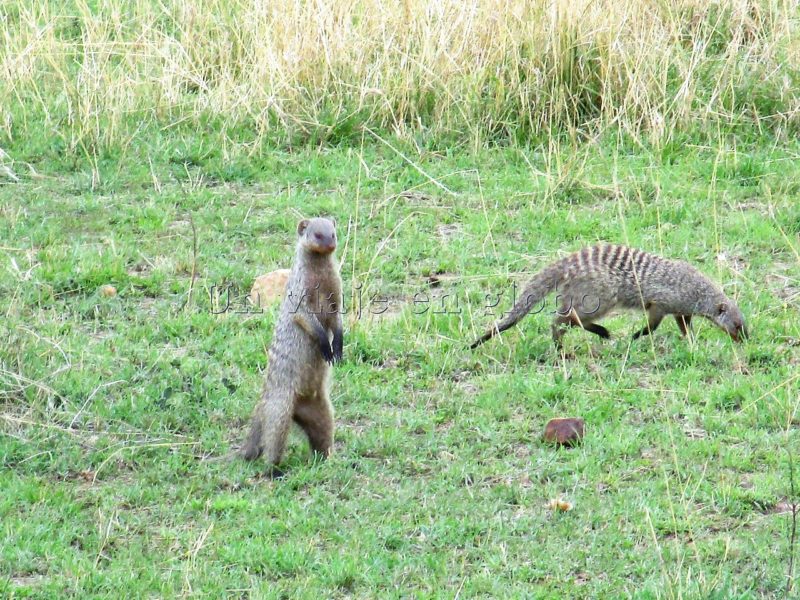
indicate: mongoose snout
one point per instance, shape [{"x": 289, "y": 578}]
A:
[{"x": 729, "y": 318}]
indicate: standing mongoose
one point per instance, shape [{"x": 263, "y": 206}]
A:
[
  {"x": 595, "y": 280},
  {"x": 307, "y": 340}
]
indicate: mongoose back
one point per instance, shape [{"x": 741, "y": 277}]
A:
[
  {"x": 598, "y": 279},
  {"x": 307, "y": 340}
]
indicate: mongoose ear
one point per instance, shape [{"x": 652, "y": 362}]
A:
[
  {"x": 301, "y": 226},
  {"x": 332, "y": 220}
]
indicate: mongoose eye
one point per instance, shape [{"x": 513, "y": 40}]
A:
[
  {"x": 318, "y": 235},
  {"x": 721, "y": 309}
]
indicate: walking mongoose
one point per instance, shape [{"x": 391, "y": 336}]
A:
[
  {"x": 597, "y": 279},
  {"x": 307, "y": 340}
]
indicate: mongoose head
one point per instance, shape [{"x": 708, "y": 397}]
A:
[
  {"x": 727, "y": 316},
  {"x": 317, "y": 235}
]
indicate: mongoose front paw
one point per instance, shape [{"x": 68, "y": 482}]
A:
[
  {"x": 338, "y": 347},
  {"x": 327, "y": 352}
]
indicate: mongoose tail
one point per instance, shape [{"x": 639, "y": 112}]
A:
[
  {"x": 252, "y": 448},
  {"x": 537, "y": 289}
]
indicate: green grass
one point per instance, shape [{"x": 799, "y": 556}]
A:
[{"x": 439, "y": 482}]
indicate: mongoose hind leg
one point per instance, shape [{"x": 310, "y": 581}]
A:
[
  {"x": 684, "y": 322},
  {"x": 562, "y": 322},
  {"x": 597, "y": 330},
  {"x": 315, "y": 416}
]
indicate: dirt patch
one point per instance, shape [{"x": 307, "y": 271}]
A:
[
  {"x": 140, "y": 269},
  {"x": 27, "y": 580},
  {"x": 785, "y": 288},
  {"x": 181, "y": 224},
  {"x": 734, "y": 262},
  {"x": 415, "y": 197},
  {"x": 753, "y": 204},
  {"x": 781, "y": 508},
  {"x": 447, "y": 232}
]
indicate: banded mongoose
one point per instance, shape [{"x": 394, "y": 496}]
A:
[
  {"x": 307, "y": 340},
  {"x": 598, "y": 279}
]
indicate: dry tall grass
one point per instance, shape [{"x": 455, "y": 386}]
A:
[{"x": 96, "y": 73}]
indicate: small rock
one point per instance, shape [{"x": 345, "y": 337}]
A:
[
  {"x": 108, "y": 291},
  {"x": 564, "y": 431},
  {"x": 559, "y": 505},
  {"x": 269, "y": 288}
]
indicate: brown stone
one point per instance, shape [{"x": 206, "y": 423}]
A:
[
  {"x": 269, "y": 288},
  {"x": 559, "y": 505},
  {"x": 564, "y": 431},
  {"x": 108, "y": 290}
]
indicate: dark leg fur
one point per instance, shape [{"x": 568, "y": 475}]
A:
[
  {"x": 653, "y": 321},
  {"x": 325, "y": 346},
  {"x": 338, "y": 344},
  {"x": 684, "y": 322},
  {"x": 597, "y": 330},
  {"x": 561, "y": 321}
]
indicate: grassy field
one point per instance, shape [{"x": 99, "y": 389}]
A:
[
  {"x": 168, "y": 150},
  {"x": 439, "y": 482}
]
